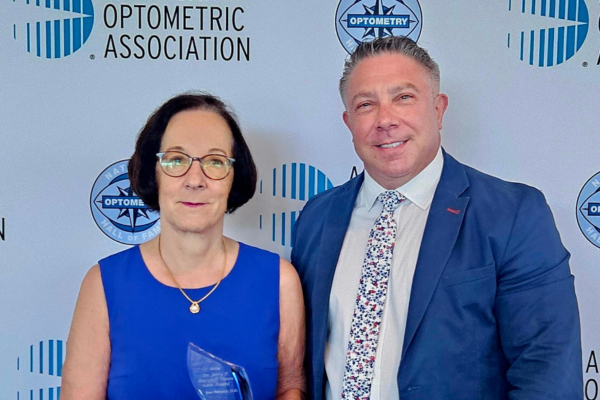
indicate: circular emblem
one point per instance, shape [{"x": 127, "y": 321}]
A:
[
  {"x": 118, "y": 212},
  {"x": 588, "y": 210},
  {"x": 546, "y": 34},
  {"x": 357, "y": 21},
  {"x": 54, "y": 29},
  {"x": 283, "y": 196}
]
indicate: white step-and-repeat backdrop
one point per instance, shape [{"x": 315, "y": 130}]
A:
[{"x": 78, "y": 78}]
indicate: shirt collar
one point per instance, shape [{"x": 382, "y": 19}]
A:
[{"x": 419, "y": 190}]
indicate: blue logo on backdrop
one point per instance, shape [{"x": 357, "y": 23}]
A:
[
  {"x": 43, "y": 366},
  {"x": 558, "y": 30},
  {"x": 588, "y": 210},
  {"x": 55, "y": 28},
  {"x": 357, "y": 21},
  {"x": 296, "y": 183},
  {"x": 118, "y": 212}
]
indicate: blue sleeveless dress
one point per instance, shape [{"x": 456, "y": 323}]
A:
[{"x": 151, "y": 326}]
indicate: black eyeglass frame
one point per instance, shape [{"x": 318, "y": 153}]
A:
[{"x": 192, "y": 159}]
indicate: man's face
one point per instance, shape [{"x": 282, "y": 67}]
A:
[{"x": 395, "y": 114}]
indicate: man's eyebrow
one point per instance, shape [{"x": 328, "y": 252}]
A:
[
  {"x": 402, "y": 87},
  {"x": 362, "y": 95},
  {"x": 392, "y": 90}
]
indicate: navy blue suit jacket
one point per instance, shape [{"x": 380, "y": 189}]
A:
[{"x": 492, "y": 313}]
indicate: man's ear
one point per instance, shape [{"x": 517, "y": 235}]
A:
[
  {"x": 441, "y": 104},
  {"x": 346, "y": 118}
]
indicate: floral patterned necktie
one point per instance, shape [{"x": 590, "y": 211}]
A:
[{"x": 370, "y": 300}]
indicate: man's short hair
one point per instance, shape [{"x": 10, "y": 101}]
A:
[{"x": 390, "y": 45}]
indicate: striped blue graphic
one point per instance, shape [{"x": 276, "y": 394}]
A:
[
  {"x": 52, "y": 393},
  {"x": 46, "y": 358},
  {"x": 57, "y": 37},
  {"x": 292, "y": 223},
  {"x": 282, "y": 229},
  {"x": 568, "y": 23},
  {"x": 294, "y": 181},
  {"x": 41, "y": 357}
]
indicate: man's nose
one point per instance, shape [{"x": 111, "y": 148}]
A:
[{"x": 387, "y": 117}]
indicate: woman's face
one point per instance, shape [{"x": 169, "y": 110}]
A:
[{"x": 193, "y": 202}]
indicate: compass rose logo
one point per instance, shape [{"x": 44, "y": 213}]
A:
[
  {"x": 357, "y": 21},
  {"x": 117, "y": 210},
  {"x": 588, "y": 210}
]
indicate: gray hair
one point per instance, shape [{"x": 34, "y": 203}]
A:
[{"x": 390, "y": 45}]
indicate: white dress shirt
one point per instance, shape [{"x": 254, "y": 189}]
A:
[{"x": 411, "y": 217}]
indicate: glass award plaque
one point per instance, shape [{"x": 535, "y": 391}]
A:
[{"x": 216, "y": 379}]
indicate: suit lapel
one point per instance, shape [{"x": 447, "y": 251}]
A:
[
  {"x": 337, "y": 218},
  {"x": 441, "y": 231}
]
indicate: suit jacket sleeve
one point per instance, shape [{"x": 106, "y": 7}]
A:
[{"x": 536, "y": 308}]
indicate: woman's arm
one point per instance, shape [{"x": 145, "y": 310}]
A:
[
  {"x": 291, "y": 382},
  {"x": 85, "y": 373}
]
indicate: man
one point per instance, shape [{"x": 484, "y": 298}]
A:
[{"x": 424, "y": 278}]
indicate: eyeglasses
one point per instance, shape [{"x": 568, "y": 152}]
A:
[{"x": 176, "y": 164}]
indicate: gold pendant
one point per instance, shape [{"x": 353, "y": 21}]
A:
[{"x": 195, "y": 308}]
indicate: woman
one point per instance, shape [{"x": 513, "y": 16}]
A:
[{"x": 138, "y": 310}]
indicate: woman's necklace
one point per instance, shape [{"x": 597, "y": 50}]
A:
[{"x": 195, "y": 307}]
